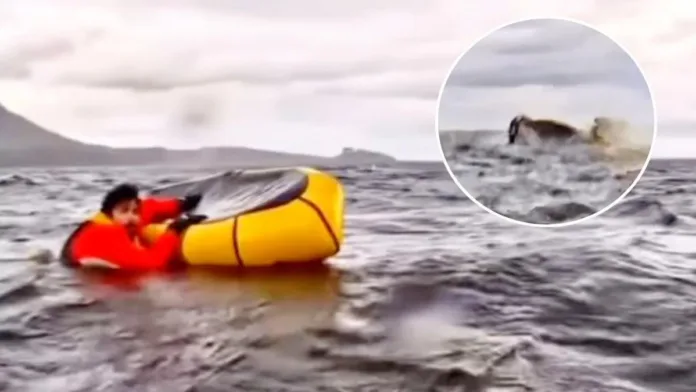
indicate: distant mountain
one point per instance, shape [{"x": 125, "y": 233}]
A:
[
  {"x": 17, "y": 133},
  {"x": 359, "y": 155},
  {"x": 27, "y": 144}
]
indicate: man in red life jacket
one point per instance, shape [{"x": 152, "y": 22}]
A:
[{"x": 112, "y": 238}]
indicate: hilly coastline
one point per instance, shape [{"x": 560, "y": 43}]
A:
[{"x": 25, "y": 143}]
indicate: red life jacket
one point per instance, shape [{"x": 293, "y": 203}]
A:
[{"x": 101, "y": 242}]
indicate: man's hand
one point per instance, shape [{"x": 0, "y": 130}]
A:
[
  {"x": 196, "y": 219},
  {"x": 190, "y": 202},
  {"x": 180, "y": 225}
]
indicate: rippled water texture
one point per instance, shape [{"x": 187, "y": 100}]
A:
[
  {"x": 538, "y": 184},
  {"x": 430, "y": 293}
]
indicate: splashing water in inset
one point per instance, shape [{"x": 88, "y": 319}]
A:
[{"x": 626, "y": 146}]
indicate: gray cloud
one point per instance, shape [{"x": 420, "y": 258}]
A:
[
  {"x": 540, "y": 37},
  {"x": 267, "y": 74},
  {"x": 549, "y": 67},
  {"x": 302, "y": 9},
  {"x": 426, "y": 94},
  {"x": 130, "y": 65},
  {"x": 197, "y": 112},
  {"x": 516, "y": 74},
  {"x": 10, "y": 70},
  {"x": 16, "y": 61},
  {"x": 679, "y": 30},
  {"x": 555, "y": 53},
  {"x": 167, "y": 78}
]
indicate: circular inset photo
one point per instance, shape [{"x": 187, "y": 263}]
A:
[{"x": 546, "y": 122}]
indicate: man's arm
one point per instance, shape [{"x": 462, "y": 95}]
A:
[{"x": 156, "y": 210}]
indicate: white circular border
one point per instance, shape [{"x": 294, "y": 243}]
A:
[{"x": 550, "y": 225}]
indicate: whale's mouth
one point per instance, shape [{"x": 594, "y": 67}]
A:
[{"x": 514, "y": 128}]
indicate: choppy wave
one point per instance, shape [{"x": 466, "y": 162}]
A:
[
  {"x": 16, "y": 179},
  {"x": 548, "y": 183},
  {"x": 428, "y": 293},
  {"x": 625, "y": 145},
  {"x": 628, "y": 146}
]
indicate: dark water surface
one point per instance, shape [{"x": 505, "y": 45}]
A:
[
  {"x": 430, "y": 293},
  {"x": 539, "y": 184}
]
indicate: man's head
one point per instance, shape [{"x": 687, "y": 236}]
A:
[{"x": 122, "y": 204}]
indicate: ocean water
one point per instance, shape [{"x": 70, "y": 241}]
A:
[
  {"x": 546, "y": 183},
  {"x": 430, "y": 293}
]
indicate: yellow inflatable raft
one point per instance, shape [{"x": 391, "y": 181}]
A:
[{"x": 261, "y": 218}]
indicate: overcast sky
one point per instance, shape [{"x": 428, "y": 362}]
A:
[
  {"x": 545, "y": 68},
  {"x": 306, "y": 75}
]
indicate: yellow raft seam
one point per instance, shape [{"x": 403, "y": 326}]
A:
[
  {"x": 235, "y": 241},
  {"x": 327, "y": 226}
]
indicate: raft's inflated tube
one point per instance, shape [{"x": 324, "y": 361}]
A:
[{"x": 273, "y": 216}]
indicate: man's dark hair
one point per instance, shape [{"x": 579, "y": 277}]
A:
[{"x": 119, "y": 194}]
